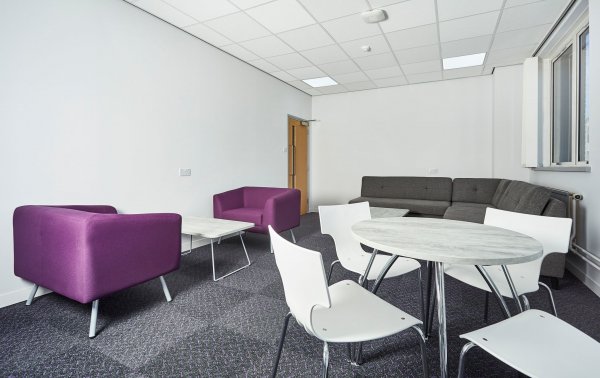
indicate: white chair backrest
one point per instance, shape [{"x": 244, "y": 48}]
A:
[
  {"x": 337, "y": 220},
  {"x": 553, "y": 233},
  {"x": 303, "y": 276}
]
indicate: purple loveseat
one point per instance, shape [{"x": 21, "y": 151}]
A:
[
  {"x": 277, "y": 207},
  {"x": 87, "y": 252}
]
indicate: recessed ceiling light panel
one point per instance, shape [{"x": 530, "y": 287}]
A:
[
  {"x": 317, "y": 82},
  {"x": 464, "y": 61}
]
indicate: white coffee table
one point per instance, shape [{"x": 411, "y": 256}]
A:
[{"x": 212, "y": 228}]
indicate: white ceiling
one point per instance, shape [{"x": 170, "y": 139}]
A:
[{"x": 302, "y": 39}]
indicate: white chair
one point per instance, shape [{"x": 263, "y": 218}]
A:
[
  {"x": 552, "y": 233},
  {"x": 341, "y": 313},
  {"x": 537, "y": 344}
]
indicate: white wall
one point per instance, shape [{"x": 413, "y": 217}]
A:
[
  {"x": 399, "y": 131},
  {"x": 101, "y": 103}
]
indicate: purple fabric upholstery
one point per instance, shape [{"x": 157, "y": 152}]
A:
[
  {"x": 87, "y": 252},
  {"x": 277, "y": 207}
]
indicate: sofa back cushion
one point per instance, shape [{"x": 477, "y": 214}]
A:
[
  {"x": 555, "y": 208},
  {"x": 424, "y": 188},
  {"x": 255, "y": 197},
  {"x": 525, "y": 198},
  {"x": 474, "y": 190},
  {"x": 502, "y": 185}
]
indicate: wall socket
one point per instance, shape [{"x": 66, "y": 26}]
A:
[{"x": 185, "y": 171}]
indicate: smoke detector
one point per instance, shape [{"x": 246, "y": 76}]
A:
[
  {"x": 374, "y": 16},
  {"x": 366, "y": 48}
]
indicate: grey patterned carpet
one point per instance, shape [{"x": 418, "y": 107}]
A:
[{"x": 231, "y": 328}]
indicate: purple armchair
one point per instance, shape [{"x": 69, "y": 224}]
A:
[
  {"x": 87, "y": 252},
  {"x": 277, "y": 207}
]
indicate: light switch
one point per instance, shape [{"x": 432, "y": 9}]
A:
[{"x": 185, "y": 171}]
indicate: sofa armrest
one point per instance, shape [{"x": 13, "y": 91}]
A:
[
  {"x": 231, "y": 199},
  {"x": 282, "y": 212}
]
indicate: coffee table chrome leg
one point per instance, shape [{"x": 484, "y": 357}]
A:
[
  {"x": 441, "y": 299},
  {"x": 494, "y": 289},
  {"x": 368, "y": 269},
  {"x": 212, "y": 252},
  {"x": 513, "y": 289}
]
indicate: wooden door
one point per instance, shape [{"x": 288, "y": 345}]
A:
[{"x": 298, "y": 160}]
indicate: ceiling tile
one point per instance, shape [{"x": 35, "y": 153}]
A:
[
  {"x": 514, "y": 3},
  {"x": 409, "y": 38},
  {"x": 281, "y": 15},
  {"x": 332, "y": 89},
  {"x": 326, "y": 54},
  {"x": 312, "y": 91},
  {"x": 360, "y": 86},
  {"x": 309, "y": 37},
  {"x": 306, "y": 72},
  {"x": 409, "y": 14},
  {"x": 418, "y": 54},
  {"x": 264, "y": 65},
  {"x": 240, "y": 52},
  {"x": 283, "y": 76},
  {"x": 350, "y": 27},
  {"x": 424, "y": 77},
  {"x": 289, "y": 61},
  {"x": 204, "y": 10},
  {"x": 467, "y": 27},
  {"x": 329, "y": 9},
  {"x": 377, "y": 43},
  {"x": 376, "y": 61},
  {"x": 466, "y": 46},
  {"x": 529, "y": 15},
  {"x": 166, "y": 12},
  {"x": 267, "y": 46},
  {"x": 513, "y": 55},
  {"x": 339, "y": 68},
  {"x": 208, "y": 35},
  {"x": 520, "y": 37},
  {"x": 449, "y": 9},
  {"x": 350, "y": 77},
  {"x": 381, "y": 73},
  {"x": 238, "y": 27},
  {"x": 421, "y": 67},
  {"x": 382, "y": 3},
  {"x": 300, "y": 85},
  {"x": 245, "y": 4},
  {"x": 390, "y": 81},
  {"x": 462, "y": 72}
]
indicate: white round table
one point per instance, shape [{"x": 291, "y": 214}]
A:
[{"x": 447, "y": 241}]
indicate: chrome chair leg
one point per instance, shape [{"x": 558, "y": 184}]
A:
[
  {"x": 422, "y": 341},
  {"x": 331, "y": 270},
  {"x": 430, "y": 305},
  {"x": 461, "y": 361},
  {"x": 293, "y": 236},
  {"x": 325, "y": 359},
  {"x": 281, "y": 340},
  {"x": 551, "y": 298},
  {"x": 94, "y": 318},
  {"x": 422, "y": 300},
  {"x": 219, "y": 241},
  {"x": 165, "y": 289},
  {"x": 32, "y": 294}
]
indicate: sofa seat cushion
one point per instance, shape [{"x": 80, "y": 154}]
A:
[
  {"x": 244, "y": 214},
  {"x": 468, "y": 212},
  {"x": 474, "y": 190},
  {"x": 523, "y": 197},
  {"x": 421, "y": 207}
]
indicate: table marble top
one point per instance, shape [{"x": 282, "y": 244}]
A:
[
  {"x": 212, "y": 228},
  {"x": 447, "y": 241}
]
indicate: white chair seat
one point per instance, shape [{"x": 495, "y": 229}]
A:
[
  {"x": 358, "y": 263},
  {"x": 520, "y": 274},
  {"x": 357, "y": 315},
  {"x": 540, "y": 345}
]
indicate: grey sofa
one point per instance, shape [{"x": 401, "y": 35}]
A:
[{"x": 466, "y": 199}]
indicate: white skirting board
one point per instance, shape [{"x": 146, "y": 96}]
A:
[
  {"x": 20, "y": 295},
  {"x": 586, "y": 272}
]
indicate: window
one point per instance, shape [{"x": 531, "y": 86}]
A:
[
  {"x": 584, "y": 98},
  {"x": 561, "y": 106}
]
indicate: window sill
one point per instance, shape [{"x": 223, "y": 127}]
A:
[{"x": 558, "y": 168}]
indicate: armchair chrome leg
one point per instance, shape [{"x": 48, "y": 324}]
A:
[
  {"x": 461, "y": 361},
  {"x": 423, "y": 350},
  {"x": 331, "y": 270},
  {"x": 293, "y": 236},
  {"x": 92, "y": 333},
  {"x": 525, "y": 302},
  {"x": 281, "y": 340},
  {"x": 32, "y": 294},
  {"x": 165, "y": 289},
  {"x": 325, "y": 359},
  {"x": 551, "y": 298}
]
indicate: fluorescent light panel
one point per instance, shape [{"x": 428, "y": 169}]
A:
[
  {"x": 464, "y": 61},
  {"x": 317, "y": 82}
]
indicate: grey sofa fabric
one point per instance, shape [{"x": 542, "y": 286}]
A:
[
  {"x": 474, "y": 190},
  {"x": 555, "y": 208},
  {"x": 416, "y": 206},
  {"x": 469, "y": 212},
  {"x": 554, "y": 265},
  {"x": 524, "y": 198},
  {"x": 502, "y": 185},
  {"x": 421, "y": 188}
]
